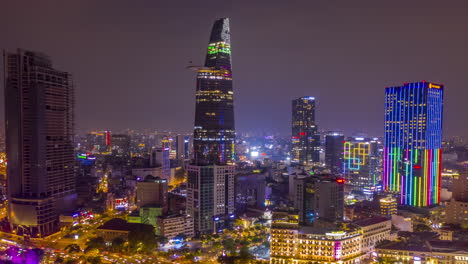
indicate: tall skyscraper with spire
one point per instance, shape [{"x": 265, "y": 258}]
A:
[
  {"x": 214, "y": 134},
  {"x": 413, "y": 142},
  {"x": 39, "y": 104},
  {"x": 210, "y": 185}
]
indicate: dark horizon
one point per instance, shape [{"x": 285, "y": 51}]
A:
[{"x": 128, "y": 59}]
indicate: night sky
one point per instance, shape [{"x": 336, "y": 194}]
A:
[{"x": 128, "y": 58}]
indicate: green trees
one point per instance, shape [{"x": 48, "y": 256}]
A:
[
  {"x": 95, "y": 243},
  {"x": 422, "y": 228},
  {"x": 73, "y": 248},
  {"x": 118, "y": 245},
  {"x": 464, "y": 225},
  {"x": 229, "y": 245},
  {"x": 142, "y": 239},
  {"x": 94, "y": 260},
  {"x": 162, "y": 239},
  {"x": 238, "y": 223}
]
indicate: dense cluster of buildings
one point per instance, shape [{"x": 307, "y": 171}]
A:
[{"x": 333, "y": 198}]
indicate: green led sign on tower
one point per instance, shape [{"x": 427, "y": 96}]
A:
[{"x": 214, "y": 132}]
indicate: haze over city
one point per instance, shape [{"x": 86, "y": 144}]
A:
[
  {"x": 128, "y": 59},
  {"x": 243, "y": 132}
]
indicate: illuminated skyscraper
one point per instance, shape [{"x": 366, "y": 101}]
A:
[
  {"x": 39, "y": 142},
  {"x": 214, "y": 133},
  {"x": 413, "y": 141},
  {"x": 305, "y": 139},
  {"x": 182, "y": 146},
  {"x": 362, "y": 164},
  {"x": 334, "y": 152},
  {"x": 210, "y": 183}
]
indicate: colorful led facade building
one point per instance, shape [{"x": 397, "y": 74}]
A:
[
  {"x": 413, "y": 142},
  {"x": 305, "y": 139},
  {"x": 362, "y": 164},
  {"x": 214, "y": 134}
]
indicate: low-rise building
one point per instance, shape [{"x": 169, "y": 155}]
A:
[
  {"x": 172, "y": 225},
  {"x": 434, "y": 252},
  {"x": 114, "y": 228},
  {"x": 388, "y": 206},
  {"x": 445, "y": 233},
  {"x": 374, "y": 231},
  {"x": 292, "y": 243},
  {"x": 456, "y": 212}
]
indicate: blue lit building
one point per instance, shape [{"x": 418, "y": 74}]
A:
[{"x": 413, "y": 141}]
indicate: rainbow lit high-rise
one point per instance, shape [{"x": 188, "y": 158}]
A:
[{"x": 413, "y": 140}]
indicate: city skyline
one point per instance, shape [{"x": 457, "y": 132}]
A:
[
  {"x": 337, "y": 151},
  {"x": 330, "y": 70}
]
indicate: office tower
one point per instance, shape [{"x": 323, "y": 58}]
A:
[
  {"x": 413, "y": 141},
  {"x": 456, "y": 210},
  {"x": 318, "y": 197},
  {"x": 214, "y": 135},
  {"x": 388, "y": 206},
  {"x": 305, "y": 138},
  {"x": 334, "y": 152},
  {"x": 210, "y": 196},
  {"x": 183, "y": 147},
  {"x": 98, "y": 142},
  {"x": 210, "y": 184},
  {"x": 361, "y": 164},
  {"x": 250, "y": 191},
  {"x": 120, "y": 145},
  {"x": 160, "y": 158},
  {"x": 39, "y": 133},
  {"x": 152, "y": 191}
]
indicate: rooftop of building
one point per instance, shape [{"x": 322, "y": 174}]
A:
[
  {"x": 418, "y": 236},
  {"x": 442, "y": 246},
  {"x": 371, "y": 221},
  {"x": 119, "y": 224},
  {"x": 404, "y": 246},
  {"x": 170, "y": 216},
  {"x": 448, "y": 246},
  {"x": 150, "y": 178},
  {"x": 329, "y": 232}
]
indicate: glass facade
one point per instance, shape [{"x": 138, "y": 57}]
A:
[
  {"x": 413, "y": 141},
  {"x": 334, "y": 142},
  {"x": 362, "y": 163},
  {"x": 305, "y": 139},
  {"x": 214, "y": 134}
]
